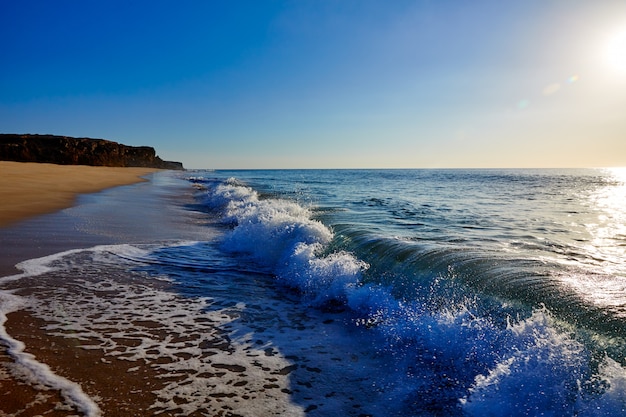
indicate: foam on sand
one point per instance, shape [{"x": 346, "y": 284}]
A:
[
  {"x": 37, "y": 372},
  {"x": 230, "y": 350}
]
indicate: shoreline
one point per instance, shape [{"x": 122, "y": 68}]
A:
[
  {"x": 224, "y": 343},
  {"x": 29, "y": 189},
  {"x": 139, "y": 346},
  {"x": 91, "y": 208}
]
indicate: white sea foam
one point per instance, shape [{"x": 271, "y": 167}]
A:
[
  {"x": 283, "y": 236},
  {"x": 527, "y": 367},
  {"x": 424, "y": 355},
  {"x": 38, "y": 266},
  {"x": 212, "y": 353},
  {"x": 612, "y": 402},
  {"x": 35, "y": 371},
  {"x": 542, "y": 369},
  {"x": 103, "y": 313}
]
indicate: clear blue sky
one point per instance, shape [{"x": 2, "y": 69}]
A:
[{"x": 324, "y": 83}]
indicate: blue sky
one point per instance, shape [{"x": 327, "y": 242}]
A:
[{"x": 324, "y": 83}]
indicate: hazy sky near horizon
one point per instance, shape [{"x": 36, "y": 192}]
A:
[{"x": 324, "y": 83}]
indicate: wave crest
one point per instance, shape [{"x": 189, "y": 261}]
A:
[{"x": 283, "y": 237}]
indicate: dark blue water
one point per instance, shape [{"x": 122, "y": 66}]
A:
[
  {"x": 368, "y": 292},
  {"x": 497, "y": 292}
]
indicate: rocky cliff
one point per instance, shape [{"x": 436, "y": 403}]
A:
[{"x": 64, "y": 150}]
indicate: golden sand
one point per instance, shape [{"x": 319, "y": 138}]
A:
[{"x": 30, "y": 189}]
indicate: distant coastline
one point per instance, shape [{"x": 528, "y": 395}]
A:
[{"x": 66, "y": 150}]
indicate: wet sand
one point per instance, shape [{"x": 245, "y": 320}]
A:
[
  {"x": 45, "y": 210},
  {"x": 177, "y": 359},
  {"x": 29, "y": 189}
]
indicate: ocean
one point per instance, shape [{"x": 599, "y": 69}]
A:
[{"x": 343, "y": 292}]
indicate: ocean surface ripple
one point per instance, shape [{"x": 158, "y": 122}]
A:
[
  {"x": 493, "y": 292},
  {"x": 355, "y": 293}
]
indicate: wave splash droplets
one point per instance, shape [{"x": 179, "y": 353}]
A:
[
  {"x": 281, "y": 236},
  {"x": 449, "y": 354}
]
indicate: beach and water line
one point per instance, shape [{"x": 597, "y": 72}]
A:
[{"x": 371, "y": 292}]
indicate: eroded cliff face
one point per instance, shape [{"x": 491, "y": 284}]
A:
[{"x": 64, "y": 150}]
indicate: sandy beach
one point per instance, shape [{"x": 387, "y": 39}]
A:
[
  {"x": 46, "y": 209},
  {"x": 123, "y": 337},
  {"x": 211, "y": 293},
  {"x": 29, "y": 189}
]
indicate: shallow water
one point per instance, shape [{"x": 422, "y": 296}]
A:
[{"x": 417, "y": 292}]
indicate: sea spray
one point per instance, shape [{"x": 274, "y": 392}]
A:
[
  {"x": 544, "y": 371},
  {"x": 436, "y": 295},
  {"x": 466, "y": 339},
  {"x": 282, "y": 236}
]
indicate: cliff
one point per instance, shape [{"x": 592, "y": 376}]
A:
[{"x": 64, "y": 150}]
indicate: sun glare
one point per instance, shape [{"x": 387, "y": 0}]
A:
[{"x": 616, "y": 50}]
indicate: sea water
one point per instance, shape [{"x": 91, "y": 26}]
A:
[{"x": 363, "y": 292}]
